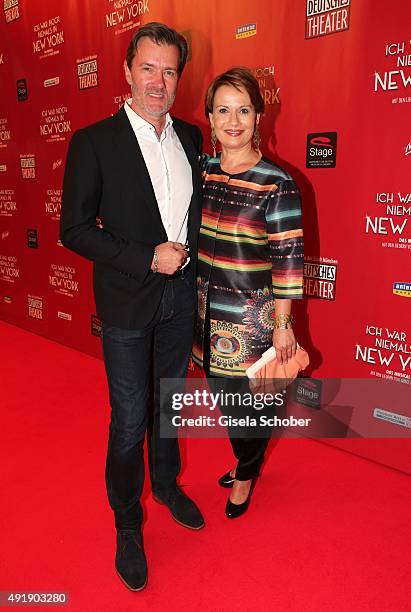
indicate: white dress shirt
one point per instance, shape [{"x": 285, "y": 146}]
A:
[{"x": 169, "y": 170}]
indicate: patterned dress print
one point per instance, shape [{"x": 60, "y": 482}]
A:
[{"x": 250, "y": 254}]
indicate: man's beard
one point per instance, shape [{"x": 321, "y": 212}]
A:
[{"x": 143, "y": 102}]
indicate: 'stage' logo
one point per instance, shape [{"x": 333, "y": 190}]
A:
[{"x": 321, "y": 150}]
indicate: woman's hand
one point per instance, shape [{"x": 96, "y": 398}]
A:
[{"x": 284, "y": 343}]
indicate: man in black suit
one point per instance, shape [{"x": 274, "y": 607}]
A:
[{"x": 132, "y": 204}]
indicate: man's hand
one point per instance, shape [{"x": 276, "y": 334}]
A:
[
  {"x": 285, "y": 344},
  {"x": 171, "y": 256}
]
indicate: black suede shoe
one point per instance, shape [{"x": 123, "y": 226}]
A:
[
  {"x": 131, "y": 564},
  {"x": 235, "y": 510},
  {"x": 226, "y": 481},
  {"x": 182, "y": 508}
]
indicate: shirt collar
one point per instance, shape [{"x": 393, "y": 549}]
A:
[{"x": 138, "y": 123}]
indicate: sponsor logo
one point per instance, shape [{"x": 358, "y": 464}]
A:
[
  {"x": 51, "y": 82},
  {"x": 325, "y": 17},
  {"x": 7, "y": 299},
  {"x": 245, "y": 31},
  {"x": 307, "y": 391},
  {"x": 62, "y": 279},
  {"x": 9, "y": 270},
  {"x": 321, "y": 150},
  {"x": 87, "y": 72},
  {"x": 5, "y": 134},
  {"x": 407, "y": 150},
  {"x": 11, "y": 10},
  {"x": 388, "y": 351},
  {"x": 28, "y": 166},
  {"x": 320, "y": 280},
  {"x": 391, "y": 223},
  {"x": 53, "y": 203},
  {"x": 96, "y": 326},
  {"x": 126, "y": 13},
  {"x": 49, "y": 36},
  {"x": 3, "y": 168},
  {"x": 392, "y": 417},
  {"x": 268, "y": 88},
  {"x": 5, "y": 234},
  {"x": 64, "y": 315},
  {"x": 22, "y": 91},
  {"x": 398, "y": 79},
  {"x": 8, "y": 206},
  {"x": 32, "y": 239},
  {"x": 403, "y": 289},
  {"x": 35, "y": 306},
  {"x": 57, "y": 163},
  {"x": 55, "y": 126},
  {"x": 120, "y": 100}
]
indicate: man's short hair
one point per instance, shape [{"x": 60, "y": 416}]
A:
[{"x": 162, "y": 35}]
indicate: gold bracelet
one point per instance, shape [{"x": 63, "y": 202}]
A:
[{"x": 283, "y": 321}]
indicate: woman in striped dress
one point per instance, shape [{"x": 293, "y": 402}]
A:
[{"x": 250, "y": 257}]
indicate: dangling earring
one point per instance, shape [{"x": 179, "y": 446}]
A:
[
  {"x": 213, "y": 142},
  {"x": 256, "y": 138}
]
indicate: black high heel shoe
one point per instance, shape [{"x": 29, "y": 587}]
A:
[
  {"x": 235, "y": 510},
  {"x": 226, "y": 480}
]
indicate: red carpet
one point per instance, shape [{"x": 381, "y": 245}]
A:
[{"x": 325, "y": 530}]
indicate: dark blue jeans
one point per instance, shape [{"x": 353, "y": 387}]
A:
[{"x": 135, "y": 362}]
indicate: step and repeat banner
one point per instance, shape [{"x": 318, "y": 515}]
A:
[{"x": 336, "y": 79}]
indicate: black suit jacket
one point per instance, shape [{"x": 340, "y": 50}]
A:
[{"x": 106, "y": 177}]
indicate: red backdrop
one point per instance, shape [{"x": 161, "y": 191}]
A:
[{"x": 336, "y": 77}]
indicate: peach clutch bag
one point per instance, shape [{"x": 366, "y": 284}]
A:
[{"x": 267, "y": 374}]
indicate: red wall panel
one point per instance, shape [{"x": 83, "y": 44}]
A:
[{"x": 352, "y": 82}]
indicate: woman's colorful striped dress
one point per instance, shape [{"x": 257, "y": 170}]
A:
[{"x": 250, "y": 253}]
